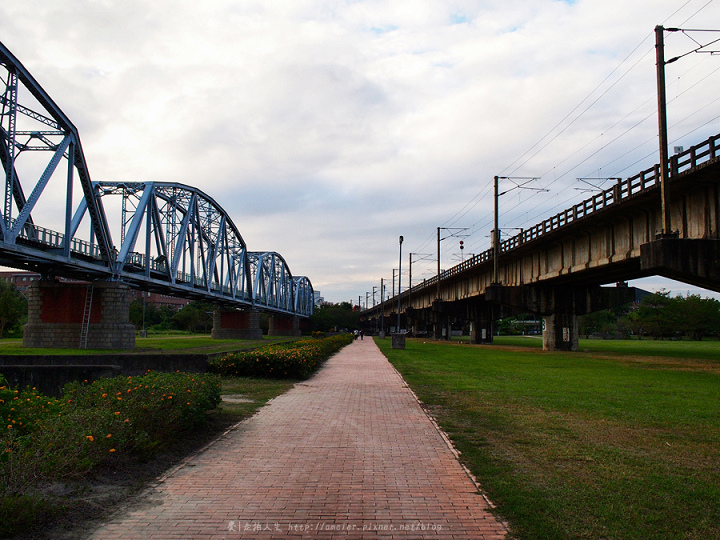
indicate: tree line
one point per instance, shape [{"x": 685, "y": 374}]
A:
[{"x": 657, "y": 316}]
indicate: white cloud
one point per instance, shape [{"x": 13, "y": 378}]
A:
[{"x": 326, "y": 129}]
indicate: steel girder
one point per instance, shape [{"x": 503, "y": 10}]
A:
[
  {"x": 35, "y": 139},
  {"x": 272, "y": 281},
  {"x": 174, "y": 239},
  {"x": 177, "y": 236},
  {"x": 304, "y": 295}
]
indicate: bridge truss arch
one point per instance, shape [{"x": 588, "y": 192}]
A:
[{"x": 164, "y": 237}]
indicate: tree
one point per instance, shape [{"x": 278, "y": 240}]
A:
[
  {"x": 196, "y": 317},
  {"x": 698, "y": 317},
  {"x": 13, "y": 307},
  {"x": 601, "y": 322},
  {"x": 657, "y": 315},
  {"x": 328, "y": 317},
  {"x": 155, "y": 317}
]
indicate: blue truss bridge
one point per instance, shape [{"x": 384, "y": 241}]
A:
[{"x": 156, "y": 236}]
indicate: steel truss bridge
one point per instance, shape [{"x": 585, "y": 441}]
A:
[{"x": 171, "y": 238}]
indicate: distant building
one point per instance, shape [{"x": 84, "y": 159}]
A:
[
  {"x": 22, "y": 281},
  {"x": 317, "y": 299}
]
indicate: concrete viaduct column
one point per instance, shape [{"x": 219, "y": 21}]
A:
[
  {"x": 481, "y": 330},
  {"x": 234, "y": 324},
  {"x": 560, "y": 332},
  {"x": 560, "y": 328},
  {"x": 441, "y": 326},
  {"x": 284, "y": 326},
  {"x": 79, "y": 315}
]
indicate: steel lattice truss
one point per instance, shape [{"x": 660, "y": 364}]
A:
[{"x": 173, "y": 238}]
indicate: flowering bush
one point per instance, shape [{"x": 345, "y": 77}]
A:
[
  {"x": 43, "y": 438},
  {"x": 297, "y": 360}
]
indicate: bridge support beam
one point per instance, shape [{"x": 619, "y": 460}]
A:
[
  {"x": 284, "y": 326},
  {"x": 79, "y": 315},
  {"x": 234, "y": 324},
  {"x": 695, "y": 261},
  {"x": 560, "y": 306}
]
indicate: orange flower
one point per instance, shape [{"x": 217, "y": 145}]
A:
[
  {"x": 90, "y": 438},
  {"x": 112, "y": 450},
  {"x": 108, "y": 435}
]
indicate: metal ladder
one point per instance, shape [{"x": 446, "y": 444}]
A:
[{"x": 85, "y": 330}]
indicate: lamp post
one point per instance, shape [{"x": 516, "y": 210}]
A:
[
  {"x": 399, "y": 280},
  {"x": 373, "y": 305},
  {"x": 382, "y": 308}
]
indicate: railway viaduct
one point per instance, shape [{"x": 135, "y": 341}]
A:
[{"x": 557, "y": 268}]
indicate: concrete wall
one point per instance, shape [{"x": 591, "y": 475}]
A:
[{"x": 50, "y": 373}]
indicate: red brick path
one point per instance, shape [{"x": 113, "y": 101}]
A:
[{"x": 347, "y": 454}]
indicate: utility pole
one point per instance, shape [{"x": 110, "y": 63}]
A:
[
  {"x": 496, "y": 238},
  {"x": 437, "y": 293},
  {"x": 496, "y": 230},
  {"x": 662, "y": 129}
]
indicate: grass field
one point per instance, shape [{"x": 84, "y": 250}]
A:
[
  {"x": 623, "y": 442},
  {"x": 176, "y": 343},
  {"x": 708, "y": 349}
]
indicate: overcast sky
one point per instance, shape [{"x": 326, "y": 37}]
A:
[{"x": 326, "y": 129}]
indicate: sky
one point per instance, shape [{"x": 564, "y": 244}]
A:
[{"x": 327, "y": 129}]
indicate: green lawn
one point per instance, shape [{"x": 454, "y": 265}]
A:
[
  {"x": 178, "y": 343},
  {"x": 582, "y": 445},
  {"x": 257, "y": 392}
]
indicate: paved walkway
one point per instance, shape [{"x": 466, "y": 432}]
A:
[{"x": 347, "y": 454}]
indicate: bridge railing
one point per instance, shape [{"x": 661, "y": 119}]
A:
[
  {"x": 56, "y": 240},
  {"x": 696, "y": 155},
  {"x": 623, "y": 190}
]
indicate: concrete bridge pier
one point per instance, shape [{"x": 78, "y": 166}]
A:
[
  {"x": 79, "y": 316},
  {"x": 284, "y": 326},
  {"x": 560, "y": 332},
  {"x": 441, "y": 328},
  {"x": 235, "y": 324},
  {"x": 481, "y": 330},
  {"x": 560, "y": 327}
]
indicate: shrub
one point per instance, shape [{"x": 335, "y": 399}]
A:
[
  {"x": 297, "y": 360},
  {"x": 44, "y": 439}
]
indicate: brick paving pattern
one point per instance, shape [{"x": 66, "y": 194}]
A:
[{"x": 347, "y": 454}]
